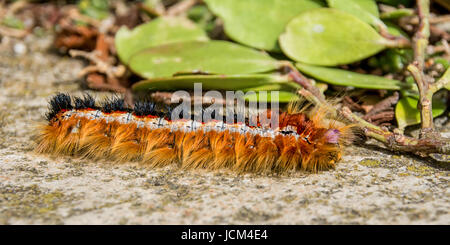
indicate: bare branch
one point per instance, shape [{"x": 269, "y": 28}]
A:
[{"x": 181, "y": 7}]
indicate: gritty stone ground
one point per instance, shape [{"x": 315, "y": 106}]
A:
[{"x": 369, "y": 186}]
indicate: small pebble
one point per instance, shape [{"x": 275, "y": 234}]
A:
[{"x": 20, "y": 48}]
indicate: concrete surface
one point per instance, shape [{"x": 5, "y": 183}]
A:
[{"x": 369, "y": 186}]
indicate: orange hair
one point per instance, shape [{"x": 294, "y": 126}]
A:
[{"x": 315, "y": 144}]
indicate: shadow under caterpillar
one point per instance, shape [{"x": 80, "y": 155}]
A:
[{"x": 78, "y": 127}]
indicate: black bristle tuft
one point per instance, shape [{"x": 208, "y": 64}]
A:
[
  {"x": 59, "y": 102},
  {"x": 164, "y": 111},
  {"x": 87, "y": 102},
  {"x": 144, "y": 108},
  {"x": 114, "y": 104},
  {"x": 168, "y": 111},
  {"x": 160, "y": 111},
  {"x": 211, "y": 113}
]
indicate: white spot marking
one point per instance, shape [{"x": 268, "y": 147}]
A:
[{"x": 318, "y": 28}]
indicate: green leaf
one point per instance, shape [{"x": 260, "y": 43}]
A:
[
  {"x": 395, "y": 60},
  {"x": 217, "y": 82},
  {"x": 163, "y": 30},
  {"x": 397, "y": 13},
  {"x": 395, "y": 30},
  {"x": 443, "y": 61},
  {"x": 330, "y": 37},
  {"x": 347, "y": 78},
  {"x": 283, "y": 97},
  {"x": 446, "y": 77},
  {"x": 152, "y": 3},
  {"x": 214, "y": 57},
  {"x": 97, "y": 9},
  {"x": 13, "y": 22},
  {"x": 202, "y": 16},
  {"x": 407, "y": 114},
  {"x": 258, "y": 23},
  {"x": 245, "y": 83},
  {"x": 365, "y": 10},
  {"x": 406, "y": 3}
]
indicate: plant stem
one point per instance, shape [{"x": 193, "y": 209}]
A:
[
  {"x": 181, "y": 7},
  {"x": 423, "y": 33},
  {"x": 396, "y": 141},
  {"x": 299, "y": 78},
  {"x": 416, "y": 69},
  {"x": 425, "y": 102},
  {"x": 392, "y": 41},
  {"x": 393, "y": 140}
]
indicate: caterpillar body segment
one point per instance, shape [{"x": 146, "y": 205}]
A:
[{"x": 78, "y": 127}]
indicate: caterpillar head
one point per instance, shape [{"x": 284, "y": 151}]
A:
[{"x": 326, "y": 146}]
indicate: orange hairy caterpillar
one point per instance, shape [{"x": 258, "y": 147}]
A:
[{"x": 78, "y": 127}]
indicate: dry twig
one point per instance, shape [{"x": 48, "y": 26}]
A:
[
  {"x": 12, "y": 32},
  {"x": 100, "y": 65},
  {"x": 181, "y": 7},
  {"x": 381, "y": 106}
]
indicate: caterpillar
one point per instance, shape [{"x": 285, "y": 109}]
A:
[{"x": 78, "y": 126}]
